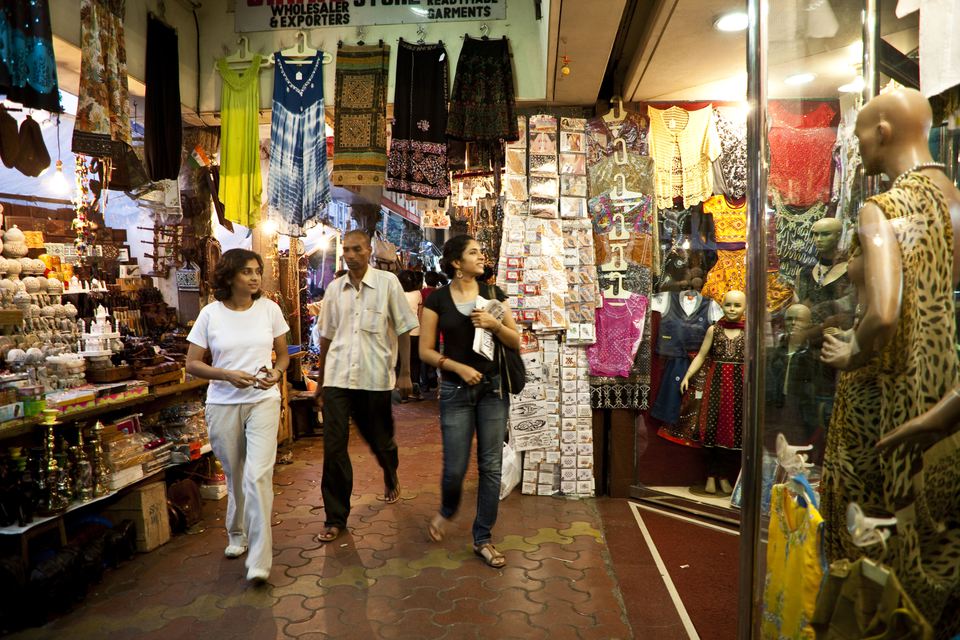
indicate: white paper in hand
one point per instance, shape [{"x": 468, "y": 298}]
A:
[{"x": 483, "y": 343}]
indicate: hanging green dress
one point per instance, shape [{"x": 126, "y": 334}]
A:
[{"x": 240, "y": 186}]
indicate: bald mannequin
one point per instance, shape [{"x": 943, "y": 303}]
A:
[
  {"x": 826, "y": 238},
  {"x": 797, "y": 320},
  {"x": 734, "y": 305},
  {"x": 904, "y": 270},
  {"x": 893, "y": 131},
  {"x": 825, "y": 287}
]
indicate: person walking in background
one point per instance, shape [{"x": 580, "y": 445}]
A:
[
  {"x": 428, "y": 374},
  {"x": 411, "y": 282},
  {"x": 364, "y": 323},
  {"x": 472, "y": 396},
  {"x": 238, "y": 332}
]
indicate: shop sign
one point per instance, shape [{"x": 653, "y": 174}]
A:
[{"x": 271, "y": 15}]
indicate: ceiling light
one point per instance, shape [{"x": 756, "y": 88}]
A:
[
  {"x": 854, "y": 86},
  {"x": 799, "y": 78},
  {"x": 735, "y": 21}
]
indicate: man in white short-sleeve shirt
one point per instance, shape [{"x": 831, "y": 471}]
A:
[{"x": 364, "y": 325}]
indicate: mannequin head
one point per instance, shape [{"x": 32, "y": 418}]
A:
[
  {"x": 734, "y": 305},
  {"x": 797, "y": 319},
  {"x": 892, "y": 130},
  {"x": 825, "y": 233}
]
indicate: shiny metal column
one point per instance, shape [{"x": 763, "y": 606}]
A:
[
  {"x": 871, "y": 36},
  {"x": 871, "y": 75},
  {"x": 751, "y": 583}
]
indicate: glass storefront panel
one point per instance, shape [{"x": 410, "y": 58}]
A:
[{"x": 846, "y": 355}]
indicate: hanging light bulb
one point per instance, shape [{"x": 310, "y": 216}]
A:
[
  {"x": 57, "y": 181},
  {"x": 269, "y": 227}
]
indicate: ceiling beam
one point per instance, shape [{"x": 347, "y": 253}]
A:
[{"x": 660, "y": 16}]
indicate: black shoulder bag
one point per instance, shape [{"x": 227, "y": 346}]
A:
[{"x": 512, "y": 370}]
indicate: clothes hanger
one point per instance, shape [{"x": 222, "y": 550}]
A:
[
  {"x": 361, "y": 32},
  {"x": 301, "y": 52},
  {"x": 619, "y": 231},
  {"x": 243, "y": 57},
  {"x": 621, "y": 192},
  {"x": 422, "y": 33},
  {"x": 620, "y": 151},
  {"x": 616, "y": 261},
  {"x": 790, "y": 458},
  {"x": 616, "y": 113},
  {"x": 867, "y": 531},
  {"x": 616, "y": 291},
  {"x": 484, "y": 32}
]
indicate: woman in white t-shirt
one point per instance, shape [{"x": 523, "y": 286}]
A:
[{"x": 239, "y": 332}]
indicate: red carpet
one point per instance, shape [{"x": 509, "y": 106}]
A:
[{"x": 702, "y": 562}]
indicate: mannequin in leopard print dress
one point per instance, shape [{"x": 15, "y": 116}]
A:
[{"x": 897, "y": 362}]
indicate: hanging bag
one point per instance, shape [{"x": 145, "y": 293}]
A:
[
  {"x": 512, "y": 370},
  {"x": 864, "y": 600},
  {"x": 385, "y": 254}
]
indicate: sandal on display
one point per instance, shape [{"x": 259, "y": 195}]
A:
[
  {"x": 435, "y": 528},
  {"x": 329, "y": 535},
  {"x": 490, "y": 555}
]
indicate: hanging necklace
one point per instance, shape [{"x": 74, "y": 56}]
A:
[
  {"x": 920, "y": 166},
  {"x": 822, "y": 272}
]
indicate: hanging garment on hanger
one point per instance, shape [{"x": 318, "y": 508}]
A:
[
  {"x": 730, "y": 169},
  {"x": 619, "y": 331},
  {"x": 297, "y": 188},
  {"x": 917, "y": 368},
  {"x": 604, "y": 138},
  {"x": 730, "y": 274},
  {"x": 28, "y": 71},
  {"x": 417, "y": 164},
  {"x": 162, "y": 123},
  {"x": 683, "y": 144},
  {"x": 103, "y": 119},
  {"x": 240, "y": 186},
  {"x": 801, "y": 164},
  {"x": 729, "y": 221},
  {"x": 681, "y": 333},
  {"x": 619, "y": 148},
  {"x": 482, "y": 105},
  {"x": 795, "y": 564},
  {"x": 360, "y": 115},
  {"x": 795, "y": 248},
  {"x": 801, "y": 114}
]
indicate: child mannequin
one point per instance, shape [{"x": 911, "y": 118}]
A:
[{"x": 721, "y": 411}]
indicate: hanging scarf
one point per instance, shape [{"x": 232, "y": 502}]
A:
[{"x": 731, "y": 324}]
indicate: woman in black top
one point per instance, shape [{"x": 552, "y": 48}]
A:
[{"x": 472, "y": 398}]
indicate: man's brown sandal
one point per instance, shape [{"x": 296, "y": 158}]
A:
[{"x": 329, "y": 534}]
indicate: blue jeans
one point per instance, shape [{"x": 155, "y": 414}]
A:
[{"x": 466, "y": 409}]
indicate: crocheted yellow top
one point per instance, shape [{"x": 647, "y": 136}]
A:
[{"x": 683, "y": 144}]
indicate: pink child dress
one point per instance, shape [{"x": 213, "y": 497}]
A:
[{"x": 619, "y": 331}]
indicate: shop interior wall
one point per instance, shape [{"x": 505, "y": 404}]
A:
[{"x": 121, "y": 212}]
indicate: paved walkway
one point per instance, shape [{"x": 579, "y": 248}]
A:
[{"x": 385, "y": 578}]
